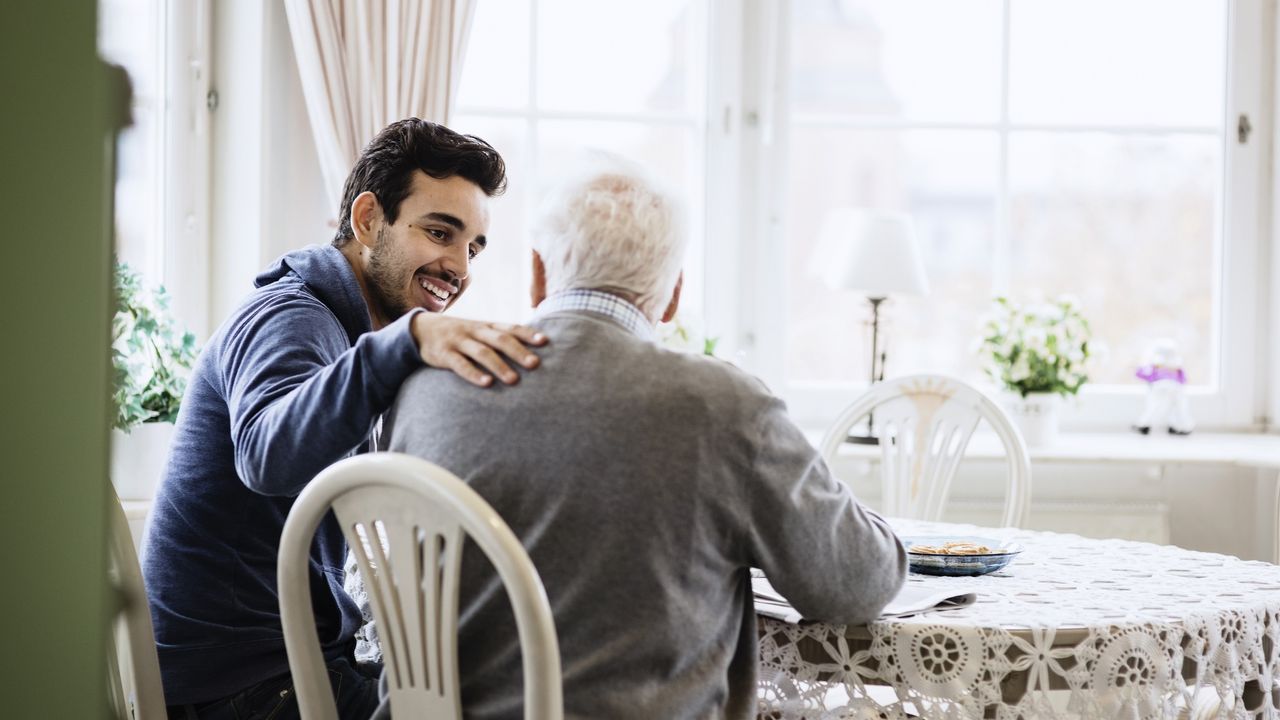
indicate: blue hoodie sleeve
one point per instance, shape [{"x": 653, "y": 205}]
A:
[{"x": 299, "y": 397}]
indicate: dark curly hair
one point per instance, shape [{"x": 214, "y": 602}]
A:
[{"x": 388, "y": 162}]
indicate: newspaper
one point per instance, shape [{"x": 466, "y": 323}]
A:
[{"x": 912, "y": 599}]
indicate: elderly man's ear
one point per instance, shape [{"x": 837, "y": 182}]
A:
[
  {"x": 674, "y": 305},
  {"x": 538, "y": 289}
]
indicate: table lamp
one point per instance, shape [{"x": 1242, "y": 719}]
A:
[{"x": 874, "y": 252}]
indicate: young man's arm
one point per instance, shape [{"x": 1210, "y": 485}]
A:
[
  {"x": 835, "y": 560},
  {"x": 300, "y": 399},
  {"x": 471, "y": 348}
]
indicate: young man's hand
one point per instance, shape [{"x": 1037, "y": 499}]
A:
[{"x": 461, "y": 345}]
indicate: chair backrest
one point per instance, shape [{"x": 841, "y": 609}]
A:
[
  {"x": 132, "y": 665},
  {"x": 405, "y": 520},
  {"x": 1275, "y": 520},
  {"x": 924, "y": 423}
]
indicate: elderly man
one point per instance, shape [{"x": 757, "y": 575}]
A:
[{"x": 644, "y": 483}]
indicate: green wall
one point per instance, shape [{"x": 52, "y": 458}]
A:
[{"x": 55, "y": 101}]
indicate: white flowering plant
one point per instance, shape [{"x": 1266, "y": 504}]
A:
[{"x": 1039, "y": 348}]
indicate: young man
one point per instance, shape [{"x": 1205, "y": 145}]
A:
[
  {"x": 650, "y": 484},
  {"x": 295, "y": 380}
]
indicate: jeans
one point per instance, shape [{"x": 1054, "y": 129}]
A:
[{"x": 355, "y": 687}]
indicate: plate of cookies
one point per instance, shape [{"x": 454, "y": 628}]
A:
[{"x": 952, "y": 555}]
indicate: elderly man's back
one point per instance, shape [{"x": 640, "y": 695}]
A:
[{"x": 644, "y": 484}]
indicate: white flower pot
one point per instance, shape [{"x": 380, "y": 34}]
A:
[
  {"x": 1036, "y": 416},
  {"x": 137, "y": 459}
]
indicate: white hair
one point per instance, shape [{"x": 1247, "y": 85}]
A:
[{"x": 612, "y": 227}]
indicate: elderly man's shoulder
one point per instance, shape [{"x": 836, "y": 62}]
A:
[
  {"x": 586, "y": 352},
  {"x": 707, "y": 376}
]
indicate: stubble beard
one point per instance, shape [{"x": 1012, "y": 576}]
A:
[{"x": 385, "y": 277}]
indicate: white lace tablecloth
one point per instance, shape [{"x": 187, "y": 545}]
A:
[{"x": 1073, "y": 628}]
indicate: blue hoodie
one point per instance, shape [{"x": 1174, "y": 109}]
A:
[{"x": 292, "y": 382}]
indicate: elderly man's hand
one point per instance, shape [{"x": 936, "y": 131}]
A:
[{"x": 461, "y": 345}]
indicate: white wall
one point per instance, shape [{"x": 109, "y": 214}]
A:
[
  {"x": 1209, "y": 508},
  {"x": 300, "y": 214},
  {"x": 1271, "y": 251},
  {"x": 267, "y": 195}
]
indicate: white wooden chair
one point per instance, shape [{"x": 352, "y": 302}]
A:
[
  {"x": 405, "y": 520},
  {"x": 133, "y": 668},
  {"x": 1275, "y": 520},
  {"x": 924, "y": 423}
]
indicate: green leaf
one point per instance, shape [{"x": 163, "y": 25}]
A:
[{"x": 150, "y": 357}]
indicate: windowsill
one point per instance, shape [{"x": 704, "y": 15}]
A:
[
  {"x": 135, "y": 512},
  {"x": 1253, "y": 450},
  {"x": 136, "y": 509}
]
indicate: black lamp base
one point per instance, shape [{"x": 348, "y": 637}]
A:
[{"x": 877, "y": 372}]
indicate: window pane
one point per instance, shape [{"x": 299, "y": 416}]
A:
[
  {"x": 1129, "y": 225},
  {"x": 946, "y": 181},
  {"x": 130, "y": 34},
  {"x": 621, "y": 56},
  {"x": 672, "y": 153},
  {"x": 500, "y": 281},
  {"x": 137, "y": 211},
  {"x": 935, "y": 60},
  {"x": 495, "y": 72},
  {"x": 1148, "y": 62}
]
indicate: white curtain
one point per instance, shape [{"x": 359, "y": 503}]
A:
[{"x": 367, "y": 63}]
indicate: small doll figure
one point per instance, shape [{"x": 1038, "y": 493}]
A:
[{"x": 1166, "y": 394}]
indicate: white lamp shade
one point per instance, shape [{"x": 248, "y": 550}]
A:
[{"x": 872, "y": 251}]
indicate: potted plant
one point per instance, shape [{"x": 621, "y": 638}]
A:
[
  {"x": 1038, "y": 353},
  {"x": 151, "y": 359}
]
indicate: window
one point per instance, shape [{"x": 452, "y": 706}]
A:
[
  {"x": 162, "y": 160},
  {"x": 131, "y": 35},
  {"x": 1041, "y": 148},
  {"x": 526, "y": 90}
]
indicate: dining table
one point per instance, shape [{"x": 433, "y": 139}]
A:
[{"x": 1073, "y": 627}]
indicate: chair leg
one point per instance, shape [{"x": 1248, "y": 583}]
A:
[{"x": 1205, "y": 706}]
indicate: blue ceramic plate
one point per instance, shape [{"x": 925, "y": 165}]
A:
[{"x": 937, "y": 564}]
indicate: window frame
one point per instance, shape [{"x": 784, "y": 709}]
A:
[
  {"x": 180, "y": 213},
  {"x": 756, "y": 336},
  {"x": 190, "y": 101},
  {"x": 694, "y": 297}
]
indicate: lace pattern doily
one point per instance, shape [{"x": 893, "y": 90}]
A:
[{"x": 1073, "y": 628}]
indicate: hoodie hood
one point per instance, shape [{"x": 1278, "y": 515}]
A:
[{"x": 325, "y": 270}]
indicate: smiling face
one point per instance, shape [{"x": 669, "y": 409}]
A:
[{"x": 423, "y": 259}]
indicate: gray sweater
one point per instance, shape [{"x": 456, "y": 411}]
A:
[{"x": 645, "y": 484}]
